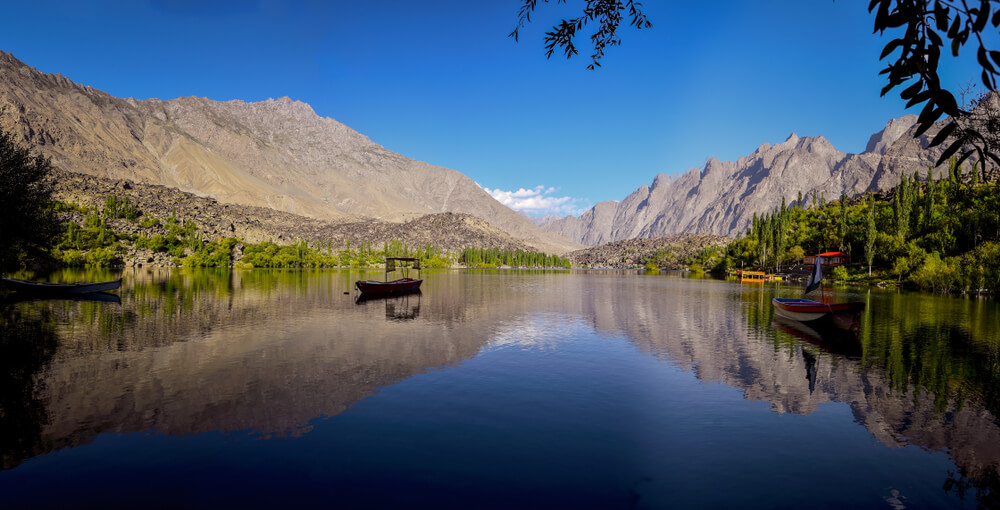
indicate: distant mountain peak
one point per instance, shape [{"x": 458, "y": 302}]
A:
[
  {"x": 880, "y": 142},
  {"x": 723, "y": 196}
]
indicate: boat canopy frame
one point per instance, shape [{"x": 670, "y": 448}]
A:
[{"x": 404, "y": 263}]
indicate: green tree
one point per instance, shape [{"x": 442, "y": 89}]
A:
[
  {"x": 929, "y": 198},
  {"x": 870, "y": 234},
  {"x": 902, "y": 203},
  {"x": 842, "y": 225},
  {"x": 26, "y": 222}
]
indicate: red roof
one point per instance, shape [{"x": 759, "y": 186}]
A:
[{"x": 832, "y": 254}]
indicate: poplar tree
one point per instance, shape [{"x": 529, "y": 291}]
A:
[
  {"x": 929, "y": 198},
  {"x": 780, "y": 236},
  {"x": 842, "y": 227},
  {"x": 870, "y": 234},
  {"x": 901, "y": 204}
]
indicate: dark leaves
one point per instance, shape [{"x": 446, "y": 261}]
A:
[
  {"x": 927, "y": 27},
  {"x": 950, "y": 151},
  {"x": 943, "y": 134},
  {"x": 606, "y": 14}
]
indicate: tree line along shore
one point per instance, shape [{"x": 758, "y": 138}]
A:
[
  {"x": 91, "y": 237},
  {"x": 939, "y": 234}
]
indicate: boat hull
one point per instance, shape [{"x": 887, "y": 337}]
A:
[
  {"x": 842, "y": 315},
  {"x": 400, "y": 286},
  {"x": 66, "y": 289}
]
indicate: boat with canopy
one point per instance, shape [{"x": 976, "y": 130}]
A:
[
  {"x": 398, "y": 286},
  {"x": 842, "y": 315}
]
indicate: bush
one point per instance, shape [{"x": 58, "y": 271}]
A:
[
  {"x": 158, "y": 243},
  {"x": 435, "y": 263},
  {"x": 71, "y": 258},
  {"x": 101, "y": 257},
  {"x": 115, "y": 207},
  {"x": 93, "y": 221},
  {"x": 839, "y": 273},
  {"x": 935, "y": 274}
]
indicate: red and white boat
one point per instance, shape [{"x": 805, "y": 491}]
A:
[
  {"x": 843, "y": 315},
  {"x": 398, "y": 286}
]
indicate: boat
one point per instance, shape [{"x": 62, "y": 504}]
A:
[
  {"x": 844, "y": 315},
  {"x": 756, "y": 277},
  {"x": 68, "y": 289},
  {"x": 751, "y": 276},
  {"x": 399, "y": 286},
  {"x": 841, "y": 315}
]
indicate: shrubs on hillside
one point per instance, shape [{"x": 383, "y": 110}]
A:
[
  {"x": 933, "y": 234},
  {"x": 93, "y": 242}
]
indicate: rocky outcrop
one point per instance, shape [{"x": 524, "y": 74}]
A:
[
  {"x": 276, "y": 154},
  {"x": 633, "y": 252}
]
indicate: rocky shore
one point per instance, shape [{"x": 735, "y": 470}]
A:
[{"x": 631, "y": 253}]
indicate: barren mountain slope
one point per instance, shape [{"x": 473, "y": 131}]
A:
[
  {"x": 722, "y": 198},
  {"x": 276, "y": 153}
]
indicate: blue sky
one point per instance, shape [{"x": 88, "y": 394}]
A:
[{"x": 441, "y": 81}]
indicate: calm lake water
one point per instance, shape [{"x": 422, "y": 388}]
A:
[{"x": 500, "y": 389}]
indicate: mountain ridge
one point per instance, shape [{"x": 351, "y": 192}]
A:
[
  {"x": 276, "y": 153},
  {"x": 722, "y": 197}
]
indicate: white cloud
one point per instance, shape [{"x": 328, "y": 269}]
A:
[{"x": 538, "y": 201}]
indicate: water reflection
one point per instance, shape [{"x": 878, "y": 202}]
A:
[
  {"x": 269, "y": 351},
  {"x": 398, "y": 307},
  {"x": 27, "y": 344}
]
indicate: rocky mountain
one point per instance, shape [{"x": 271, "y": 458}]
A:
[
  {"x": 630, "y": 253},
  {"x": 277, "y": 154},
  {"x": 450, "y": 232},
  {"x": 722, "y": 197}
]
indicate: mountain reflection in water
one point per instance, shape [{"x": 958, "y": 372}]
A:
[{"x": 269, "y": 352}]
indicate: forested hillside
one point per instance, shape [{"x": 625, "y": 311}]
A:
[{"x": 936, "y": 234}]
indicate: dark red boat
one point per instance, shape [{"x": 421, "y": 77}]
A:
[
  {"x": 393, "y": 287},
  {"x": 841, "y": 315},
  {"x": 400, "y": 286},
  {"x": 844, "y": 315}
]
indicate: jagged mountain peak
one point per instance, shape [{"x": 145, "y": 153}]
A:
[
  {"x": 880, "y": 142},
  {"x": 723, "y": 196}
]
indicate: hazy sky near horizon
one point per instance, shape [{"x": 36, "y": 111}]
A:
[{"x": 441, "y": 81}]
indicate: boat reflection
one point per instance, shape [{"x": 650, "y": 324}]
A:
[
  {"x": 828, "y": 338},
  {"x": 398, "y": 307},
  {"x": 98, "y": 297}
]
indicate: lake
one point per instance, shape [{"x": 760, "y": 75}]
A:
[{"x": 493, "y": 389}]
